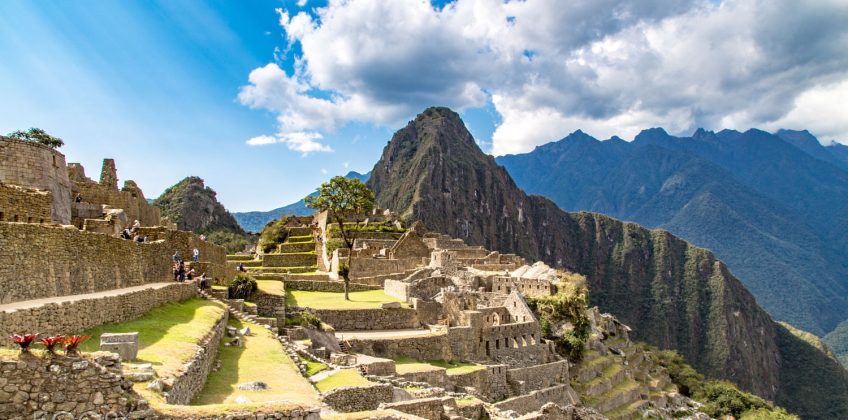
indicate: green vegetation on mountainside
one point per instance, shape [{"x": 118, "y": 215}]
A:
[
  {"x": 563, "y": 316},
  {"x": 720, "y": 398},
  {"x": 673, "y": 294},
  {"x": 195, "y": 208},
  {"x": 838, "y": 342}
]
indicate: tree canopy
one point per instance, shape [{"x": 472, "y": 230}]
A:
[
  {"x": 38, "y": 135},
  {"x": 341, "y": 197}
]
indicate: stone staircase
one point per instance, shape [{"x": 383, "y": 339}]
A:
[{"x": 236, "y": 309}]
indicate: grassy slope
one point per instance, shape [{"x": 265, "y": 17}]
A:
[
  {"x": 406, "y": 365},
  {"x": 342, "y": 378},
  {"x": 168, "y": 335},
  {"x": 260, "y": 359},
  {"x": 329, "y": 300},
  {"x": 838, "y": 342}
]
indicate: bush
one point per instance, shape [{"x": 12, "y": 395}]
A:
[
  {"x": 38, "y": 135},
  {"x": 274, "y": 233},
  {"x": 231, "y": 241},
  {"x": 242, "y": 286},
  {"x": 569, "y": 305}
]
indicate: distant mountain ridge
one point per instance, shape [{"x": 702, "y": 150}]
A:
[
  {"x": 673, "y": 294},
  {"x": 254, "y": 221},
  {"x": 773, "y": 206}
]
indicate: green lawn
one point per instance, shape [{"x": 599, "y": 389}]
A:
[
  {"x": 330, "y": 300},
  {"x": 271, "y": 287},
  {"x": 408, "y": 365},
  {"x": 313, "y": 367},
  {"x": 167, "y": 335},
  {"x": 261, "y": 358},
  {"x": 344, "y": 377}
]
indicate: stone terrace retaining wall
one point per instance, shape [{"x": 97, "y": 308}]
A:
[
  {"x": 369, "y": 319},
  {"x": 326, "y": 286},
  {"x": 428, "y": 408},
  {"x": 523, "y": 380},
  {"x": 79, "y": 315},
  {"x": 188, "y": 383},
  {"x": 560, "y": 394},
  {"x": 350, "y": 399},
  {"x": 270, "y": 306},
  {"x": 313, "y": 413},
  {"x": 88, "y": 387},
  {"x": 43, "y": 261},
  {"x": 430, "y": 347},
  {"x": 33, "y": 165},
  {"x": 184, "y": 242}
]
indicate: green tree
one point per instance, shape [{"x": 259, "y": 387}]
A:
[
  {"x": 39, "y": 136},
  {"x": 343, "y": 197}
]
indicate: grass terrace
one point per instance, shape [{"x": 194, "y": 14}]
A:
[
  {"x": 408, "y": 365},
  {"x": 167, "y": 335},
  {"x": 342, "y": 378},
  {"x": 271, "y": 287},
  {"x": 261, "y": 358},
  {"x": 371, "y": 299},
  {"x": 313, "y": 367}
]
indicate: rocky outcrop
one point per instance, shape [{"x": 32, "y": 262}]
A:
[
  {"x": 194, "y": 207},
  {"x": 672, "y": 293}
]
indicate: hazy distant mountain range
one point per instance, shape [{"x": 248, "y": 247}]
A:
[
  {"x": 774, "y": 207},
  {"x": 254, "y": 221}
]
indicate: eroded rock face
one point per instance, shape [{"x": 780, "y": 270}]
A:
[{"x": 673, "y": 294}]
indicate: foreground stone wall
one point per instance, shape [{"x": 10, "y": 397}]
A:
[
  {"x": 369, "y": 319},
  {"x": 44, "y": 261},
  {"x": 67, "y": 387},
  {"x": 81, "y": 314},
  {"x": 559, "y": 394},
  {"x": 18, "y": 204},
  {"x": 523, "y": 380},
  {"x": 34, "y": 165},
  {"x": 193, "y": 376}
]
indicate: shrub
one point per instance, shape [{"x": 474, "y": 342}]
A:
[
  {"x": 51, "y": 342},
  {"x": 72, "y": 342},
  {"x": 38, "y": 135},
  {"x": 569, "y": 305},
  {"x": 274, "y": 233},
  {"x": 308, "y": 319},
  {"x": 242, "y": 286},
  {"x": 24, "y": 340}
]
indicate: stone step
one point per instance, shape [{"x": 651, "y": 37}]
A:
[
  {"x": 240, "y": 257},
  {"x": 247, "y": 264},
  {"x": 300, "y": 259},
  {"x": 300, "y": 231},
  {"x": 588, "y": 370},
  {"x": 609, "y": 378}
]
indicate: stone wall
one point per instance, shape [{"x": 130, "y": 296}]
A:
[
  {"x": 77, "y": 315},
  {"x": 32, "y": 165},
  {"x": 90, "y": 386},
  {"x": 130, "y": 198},
  {"x": 367, "y": 267},
  {"x": 327, "y": 286},
  {"x": 369, "y": 319},
  {"x": 26, "y": 205},
  {"x": 350, "y": 399},
  {"x": 560, "y": 394},
  {"x": 44, "y": 261},
  {"x": 397, "y": 289},
  {"x": 191, "y": 379},
  {"x": 213, "y": 256},
  {"x": 428, "y": 408},
  {"x": 527, "y": 287},
  {"x": 524, "y": 380},
  {"x": 269, "y": 305},
  {"x": 429, "y": 347},
  {"x": 289, "y": 260}
]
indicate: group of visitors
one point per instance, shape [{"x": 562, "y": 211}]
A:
[
  {"x": 181, "y": 274},
  {"x": 131, "y": 233}
]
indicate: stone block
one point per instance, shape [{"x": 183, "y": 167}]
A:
[
  {"x": 131, "y": 337},
  {"x": 126, "y": 350}
]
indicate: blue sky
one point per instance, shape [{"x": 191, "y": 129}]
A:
[{"x": 177, "y": 88}]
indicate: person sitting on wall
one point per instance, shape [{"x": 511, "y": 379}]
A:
[
  {"x": 241, "y": 268},
  {"x": 176, "y": 272},
  {"x": 201, "y": 282},
  {"x": 125, "y": 234},
  {"x": 78, "y": 198},
  {"x": 136, "y": 224},
  {"x": 190, "y": 274},
  {"x": 177, "y": 258},
  {"x": 181, "y": 272},
  {"x": 138, "y": 238}
]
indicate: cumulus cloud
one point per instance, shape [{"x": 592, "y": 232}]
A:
[
  {"x": 298, "y": 141},
  {"x": 548, "y": 67}
]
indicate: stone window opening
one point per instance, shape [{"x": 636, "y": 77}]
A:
[
  {"x": 15, "y": 218},
  {"x": 1, "y": 215},
  {"x": 29, "y": 219},
  {"x": 497, "y": 344},
  {"x": 487, "y": 348},
  {"x": 533, "y": 339}
]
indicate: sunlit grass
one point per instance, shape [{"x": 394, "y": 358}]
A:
[{"x": 369, "y": 299}]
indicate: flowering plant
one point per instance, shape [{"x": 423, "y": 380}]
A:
[
  {"x": 24, "y": 340},
  {"x": 73, "y": 341},
  {"x": 51, "y": 342}
]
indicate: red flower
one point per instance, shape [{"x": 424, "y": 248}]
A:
[
  {"x": 73, "y": 341},
  {"x": 24, "y": 340},
  {"x": 50, "y": 342}
]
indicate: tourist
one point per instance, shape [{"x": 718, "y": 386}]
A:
[
  {"x": 202, "y": 237},
  {"x": 177, "y": 258},
  {"x": 181, "y": 272},
  {"x": 195, "y": 254},
  {"x": 190, "y": 274},
  {"x": 176, "y": 272},
  {"x": 201, "y": 281},
  {"x": 136, "y": 224},
  {"x": 78, "y": 198},
  {"x": 125, "y": 234},
  {"x": 241, "y": 268}
]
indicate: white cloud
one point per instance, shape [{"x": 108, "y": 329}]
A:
[
  {"x": 262, "y": 140},
  {"x": 301, "y": 3},
  {"x": 303, "y": 142},
  {"x": 607, "y": 67},
  {"x": 323, "y": 171}
]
